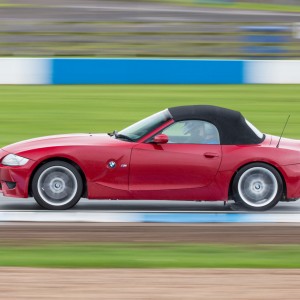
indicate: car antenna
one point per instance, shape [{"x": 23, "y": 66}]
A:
[{"x": 283, "y": 130}]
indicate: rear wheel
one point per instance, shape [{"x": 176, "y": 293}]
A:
[
  {"x": 257, "y": 186},
  {"x": 57, "y": 185}
]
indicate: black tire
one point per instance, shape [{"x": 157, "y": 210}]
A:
[
  {"x": 57, "y": 185},
  {"x": 257, "y": 187}
]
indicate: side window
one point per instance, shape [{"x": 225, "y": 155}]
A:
[{"x": 192, "y": 132}]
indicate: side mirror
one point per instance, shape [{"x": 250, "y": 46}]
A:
[{"x": 161, "y": 139}]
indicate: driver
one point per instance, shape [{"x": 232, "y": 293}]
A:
[{"x": 198, "y": 132}]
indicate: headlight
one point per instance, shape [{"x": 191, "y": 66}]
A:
[{"x": 14, "y": 160}]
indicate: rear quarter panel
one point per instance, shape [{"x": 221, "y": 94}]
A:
[{"x": 286, "y": 161}]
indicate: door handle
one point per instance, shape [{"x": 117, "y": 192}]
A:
[{"x": 211, "y": 154}]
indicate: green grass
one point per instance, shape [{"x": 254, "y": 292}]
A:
[
  {"x": 152, "y": 255},
  {"x": 235, "y": 5},
  {"x": 32, "y": 111},
  {"x": 202, "y": 3},
  {"x": 16, "y": 5}
]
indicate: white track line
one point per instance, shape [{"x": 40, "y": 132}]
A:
[{"x": 145, "y": 217}]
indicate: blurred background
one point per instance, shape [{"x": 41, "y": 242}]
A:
[
  {"x": 200, "y": 29},
  {"x": 157, "y": 28}
]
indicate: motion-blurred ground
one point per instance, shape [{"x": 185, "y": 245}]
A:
[
  {"x": 87, "y": 233},
  {"x": 239, "y": 284},
  {"x": 131, "y": 284}
]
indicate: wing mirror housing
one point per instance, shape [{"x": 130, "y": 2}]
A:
[{"x": 161, "y": 139}]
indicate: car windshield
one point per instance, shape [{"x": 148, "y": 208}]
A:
[
  {"x": 145, "y": 126},
  {"x": 254, "y": 129}
]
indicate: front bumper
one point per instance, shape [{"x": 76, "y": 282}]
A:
[
  {"x": 292, "y": 179},
  {"x": 14, "y": 181}
]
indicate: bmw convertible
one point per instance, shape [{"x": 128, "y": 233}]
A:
[{"x": 196, "y": 153}]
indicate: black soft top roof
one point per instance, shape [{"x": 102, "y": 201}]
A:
[{"x": 231, "y": 124}]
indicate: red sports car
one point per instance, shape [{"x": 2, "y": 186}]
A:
[{"x": 195, "y": 152}]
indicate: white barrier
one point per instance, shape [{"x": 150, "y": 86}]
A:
[
  {"x": 272, "y": 72},
  {"x": 25, "y": 71}
]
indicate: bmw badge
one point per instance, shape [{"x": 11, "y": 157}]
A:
[{"x": 111, "y": 164}]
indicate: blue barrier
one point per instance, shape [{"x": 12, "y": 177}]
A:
[{"x": 146, "y": 71}]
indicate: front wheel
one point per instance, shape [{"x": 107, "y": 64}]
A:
[
  {"x": 257, "y": 186},
  {"x": 57, "y": 185}
]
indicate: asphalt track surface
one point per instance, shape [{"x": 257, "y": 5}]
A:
[
  {"x": 14, "y": 204},
  {"x": 20, "y": 233}
]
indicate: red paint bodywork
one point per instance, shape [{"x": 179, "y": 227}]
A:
[{"x": 151, "y": 171}]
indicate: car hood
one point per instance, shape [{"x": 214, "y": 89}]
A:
[{"x": 82, "y": 139}]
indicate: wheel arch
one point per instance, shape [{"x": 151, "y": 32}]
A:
[
  {"x": 74, "y": 164},
  {"x": 230, "y": 190}
]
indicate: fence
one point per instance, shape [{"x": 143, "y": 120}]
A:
[{"x": 141, "y": 39}]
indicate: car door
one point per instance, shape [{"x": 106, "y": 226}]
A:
[{"x": 179, "y": 169}]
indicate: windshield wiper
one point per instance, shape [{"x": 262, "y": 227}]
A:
[
  {"x": 111, "y": 133},
  {"x": 120, "y": 136},
  {"x": 123, "y": 136},
  {"x": 114, "y": 133}
]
